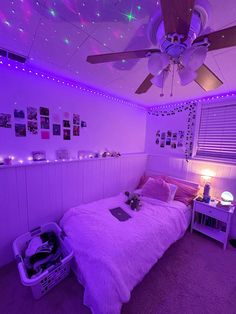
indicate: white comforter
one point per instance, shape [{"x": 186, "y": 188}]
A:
[{"x": 113, "y": 256}]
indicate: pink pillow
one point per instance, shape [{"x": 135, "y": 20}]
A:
[
  {"x": 156, "y": 188},
  {"x": 185, "y": 192},
  {"x": 145, "y": 178}
]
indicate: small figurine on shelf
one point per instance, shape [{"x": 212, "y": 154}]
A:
[{"x": 133, "y": 201}]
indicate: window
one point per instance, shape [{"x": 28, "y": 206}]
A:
[{"x": 217, "y": 132}]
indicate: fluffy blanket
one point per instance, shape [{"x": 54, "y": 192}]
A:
[{"x": 113, "y": 256}]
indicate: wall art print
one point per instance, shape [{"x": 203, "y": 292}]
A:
[
  {"x": 20, "y": 130},
  {"x": 5, "y": 120},
  {"x": 32, "y": 113},
  {"x": 19, "y": 114},
  {"x": 56, "y": 129}
]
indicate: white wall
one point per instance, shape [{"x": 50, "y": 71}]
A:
[
  {"x": 31, "y": 195},
  {"x": 110, "y": 124}
]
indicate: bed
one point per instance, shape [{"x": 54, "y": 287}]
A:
[{"x": 112, "y": 257}]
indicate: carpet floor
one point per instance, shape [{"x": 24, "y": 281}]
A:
[{"x": 195, "y": 276}]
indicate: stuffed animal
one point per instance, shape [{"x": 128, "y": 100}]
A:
[{"x": 133, "y": 201}]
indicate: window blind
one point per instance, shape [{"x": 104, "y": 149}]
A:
[{"x": 217, "y": 132}]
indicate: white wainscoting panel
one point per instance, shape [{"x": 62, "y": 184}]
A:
[{"x": 31, "y": 195}]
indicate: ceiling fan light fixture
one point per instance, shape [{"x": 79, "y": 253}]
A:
[
  {"x": 194, "y": 57},
  {"x": 160, "y": 79},
  {"x": 186, "y": 76},
  {"x": 157, "y": 63}
]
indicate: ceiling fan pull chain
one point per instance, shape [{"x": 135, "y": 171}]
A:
[
  {"x": 162, "y": 88},
  {"x": 172, "y": 80}
]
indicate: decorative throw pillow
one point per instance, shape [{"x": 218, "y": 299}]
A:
[
  {"x": 156, "y": 188},
  {"x": 145, "y": 178},
  {"x": 185, "y": 192}
]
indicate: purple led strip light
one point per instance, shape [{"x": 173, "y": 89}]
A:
[
  {"x": 198, "y": 100},
  {"x": 66, "y": 82}
]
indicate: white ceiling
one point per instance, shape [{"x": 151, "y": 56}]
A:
[{"x": 58, "y": 36}]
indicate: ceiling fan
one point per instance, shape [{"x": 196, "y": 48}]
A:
[{"x": 178, "y": 28}]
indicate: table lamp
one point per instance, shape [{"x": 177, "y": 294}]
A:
[
  {"x": 207, "y": 175},
  {"x": 226, "y": 198}
]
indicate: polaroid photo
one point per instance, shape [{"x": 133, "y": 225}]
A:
[
  {"x": 33, "y": 127},
  {"x": 162, "y": 144},
  {"x": 32, "y": 113},
  {"x": 20, "y": 130},
  {"x": 56, "y": 129},
  {"x": 5, "y": 120},
  {"x": 44, "y": 111},
  {"x": 158, "y": 133},
  {"x": 168, "y": 141},
  {"x": 76, "y": 130},
  {"x": 163, "y": 135},
  {"x": 19, "y": 114},
  {"x": 66, "y": 134},
  {"x": 173, "y": 145},
  {"x": 169, "y": 133},
  {"x": 76, "y": 119},
  {"x": 181, "y": 134},
  {"x": 174, "y": 136},
  {"x": 66, "y": 123},
  {"x": 44, "y": 122}
]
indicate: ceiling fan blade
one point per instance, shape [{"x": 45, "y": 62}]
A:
[
  {"x": 177, "y": 16},
  {"x": 116, "y": 56},
  {"x": 146, "y": 84},
  {"x": 206, "y": 79},
  {"x": 220, "y": 39}
]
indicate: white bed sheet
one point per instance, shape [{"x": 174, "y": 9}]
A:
[{"x": 111, "y": 257}]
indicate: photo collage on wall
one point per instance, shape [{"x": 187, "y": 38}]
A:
[
  {"x": 30, "y": 120},
  {"x": 170, "y": 139}
]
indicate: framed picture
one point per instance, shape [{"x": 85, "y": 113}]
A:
[
  {"x": 44, "y": 122},
  {"x": 32, "y": 113},
  {"x": 39, "y": 156},
  {"x": 66, "y": 134},
  {"x": 56, "y": 129},
  {"x": 66, "y": 123},
  {"x": 76, "y": 130},
  {"x": 20, "y": 114},
  {"x": 20, "y": 130},
  {"x": 62, "y": 154},
  {"x": 33, "y": 127},
  {"x": 5, "y": 120},
  {"x": 44, "y": 111}
]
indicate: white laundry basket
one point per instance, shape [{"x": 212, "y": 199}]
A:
[{"x": 53, "y": 275}]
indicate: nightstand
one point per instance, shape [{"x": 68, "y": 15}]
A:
[{"x": 212, "y": 221}]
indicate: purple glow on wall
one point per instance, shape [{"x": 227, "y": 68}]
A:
[{"x": 65, "y": 81}]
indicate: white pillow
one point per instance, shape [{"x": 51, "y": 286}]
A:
[{"x": 173, "y": 189}]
